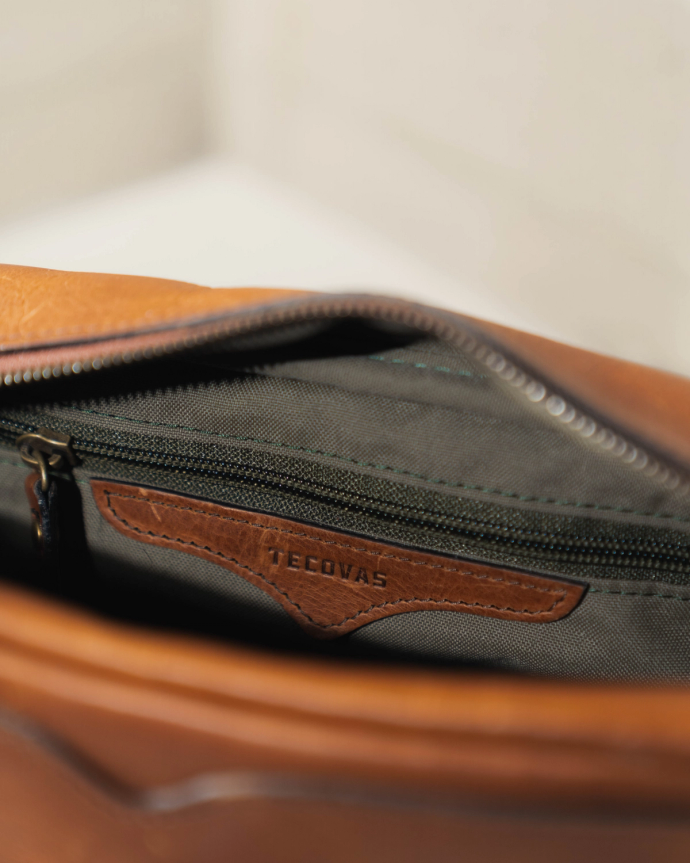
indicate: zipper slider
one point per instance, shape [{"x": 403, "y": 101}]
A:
[{"x": 44, "y": 450}]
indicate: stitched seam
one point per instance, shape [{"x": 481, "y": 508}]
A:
[
  {"x": 327, "y": 542},
  {"x": 398, "y": 362},
  {"x": 590, "y": 590},
  {"x": 430, "y": 353},
  {"x": 636, "y": 593},
  {"x": 448, "y": 483},
  {"x": 420, "y": 563},
  {"x": 87, "y": 482},
  {"x": 561, "y": 593}
]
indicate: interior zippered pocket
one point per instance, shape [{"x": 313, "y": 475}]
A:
[{"x": 499, "y": 532}]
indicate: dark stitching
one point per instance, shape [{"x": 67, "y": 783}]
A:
[
  {"x": 417, "y": 563},
  {"x": 635, "y": 593},
  {"x": 109, "y": 494},
  {"x": 324, "y": 541},
  {"x": 448, "y": 483},
  {"x": 591, "y": 589},
  {"x": 398, "y": 362},
  {"x": 554, "y": 536}
]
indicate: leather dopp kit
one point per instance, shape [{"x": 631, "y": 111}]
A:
[{"x": 292, "y": 576}]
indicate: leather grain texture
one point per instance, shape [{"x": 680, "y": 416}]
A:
[
  {"x": 48, "y": 307},
  {"x": 330, "y": 582}
]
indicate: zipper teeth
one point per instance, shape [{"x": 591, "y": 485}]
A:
[
  {"x": 523, "y": 543},
  {"x": 554, "y": 404},
  {"x": 651, "y": 555},
  {"x": 578, "y": 422}
]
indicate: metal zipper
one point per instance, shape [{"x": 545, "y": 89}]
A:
[
  {"x": 535, "y": 391},
  {"x": 60, "y": 449},
  {"x": 46, "y": 450}
]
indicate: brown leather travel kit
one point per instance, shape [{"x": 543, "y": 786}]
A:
[{"x": 291, "y": 576}]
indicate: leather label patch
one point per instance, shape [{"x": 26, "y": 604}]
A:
[{"x": 330, "y": 582}]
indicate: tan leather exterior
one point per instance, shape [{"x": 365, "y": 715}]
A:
[
  {"x": 48, "y": 307},
  {"x": 329, "y": 582},
  {"x": 52, "y": 813}
]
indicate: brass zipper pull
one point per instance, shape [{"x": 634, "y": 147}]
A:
[{"x": 45, "y": 451}]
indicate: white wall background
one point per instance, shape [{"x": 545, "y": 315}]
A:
[
  {"x": 94, "y": 93},
  {"x": 532, "y": 152}
]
